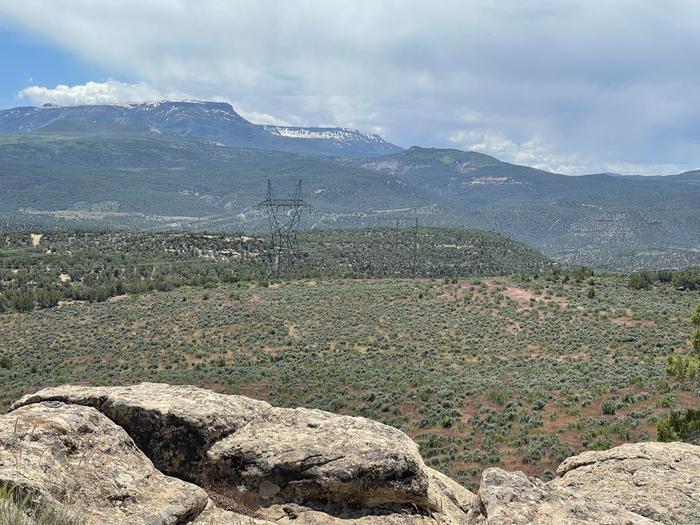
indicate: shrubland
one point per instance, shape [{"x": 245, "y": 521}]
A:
[
  {"x": 42, "y": 271},
  {"x": 518, "y": 370}
]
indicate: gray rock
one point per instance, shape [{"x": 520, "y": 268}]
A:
[
  {"x": 235, "y": 445},
  {"x": 448, "y": 493},
  {"x": 294, "y": 514},
  {"x": 73, "y": 457},
  {"x": 315, "y": 455},
  {"x": 213, "y": 515},
  {"x": 174, "y": 425},
  {"x": 512, "y": 498},
  {"x": 656, "y": 480}
]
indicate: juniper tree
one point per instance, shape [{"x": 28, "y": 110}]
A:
[{"x": 685, "y": 426}]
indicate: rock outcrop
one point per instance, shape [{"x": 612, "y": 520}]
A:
[
  {"x": 511, "y": 498},
  {"x": 158, "y": 454},
  {"x": 309, "y": 454},
  {"x": 250, "y": 451},
  {"x": 174, "y": 425},
  {"x": 658, "y": 480},
  {"x": 73, "y": 457}
]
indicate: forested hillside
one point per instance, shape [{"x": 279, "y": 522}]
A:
[
  {"x": 45, "y": 270},
  {"x": 143, "y": 180}
]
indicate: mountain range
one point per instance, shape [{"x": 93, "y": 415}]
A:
[
  {"x": 214, "y": 121},
  {"x": 201, "y": 165}
]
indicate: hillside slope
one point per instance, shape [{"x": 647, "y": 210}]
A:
[
  {"x": 97, "y": 265},
  {"x": 212, "y": 121},
  {"x": 120, "y": 177},
  {"x": 141, "y": 179},
  {"x": 601, "y": 219}
]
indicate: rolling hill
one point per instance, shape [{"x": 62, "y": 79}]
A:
[
  {"x": 110, "y": 171},
  {"x": 601, "y": 218}
]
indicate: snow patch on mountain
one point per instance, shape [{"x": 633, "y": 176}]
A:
[
  {"x": 339, "y": 134},
  {"x": 212, "y": 121},
  {"x": 491, "y": 181}
]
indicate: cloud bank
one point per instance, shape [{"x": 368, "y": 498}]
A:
[
  {"x": 569, "y": 86},
  {"x": 109, "y": 92}
]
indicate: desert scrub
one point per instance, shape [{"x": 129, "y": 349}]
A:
[
  {"x": 473, "y": 382},
  {"x": 94, "y": 266}
]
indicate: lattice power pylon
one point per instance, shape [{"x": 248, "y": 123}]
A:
[
  {"x": 284, "y": 216},
  {"x": 412, "y": 223}
]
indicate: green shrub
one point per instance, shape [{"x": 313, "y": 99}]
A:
[
  {"x": 664, "y": 276},
  {"x": 601, "y": 444},
  {"x": 608, "y": 409},
  {"x": 680, "y": 426},
  {"x": 641, "y": 280}
]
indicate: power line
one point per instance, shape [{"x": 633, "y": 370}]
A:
[
  {"x": 397, "y": 220},
  {"x": 284, "y": 216}
]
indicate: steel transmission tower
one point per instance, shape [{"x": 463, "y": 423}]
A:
[
  {"x": 284, "y": 216},
  {"x": 412, "y": 223}
]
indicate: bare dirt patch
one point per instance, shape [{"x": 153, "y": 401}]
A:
[
  {"x": 519, "y": 295},
  {"x": 524, "y": 297},
  {"x": 255, "y": 299},
  {"x": 36, "y": 238},
  {"x": 69, "y": 302},
  {"x": 293, "y": 330},
  {"x": 626, "y": 321}
]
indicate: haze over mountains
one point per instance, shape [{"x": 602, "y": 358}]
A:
[{"x": 193, "y": 164}]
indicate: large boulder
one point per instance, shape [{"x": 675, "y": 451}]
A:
[
  {"x": 449, "y": 496},
  {"x": 309, "y": 454},
  {"x": 174, "y": 425},
  {"x": 450, "y": 504},
  {"x": 260, "y": 456},
  {"x": 512, "y": 498},
  {"x": 658, "y": 480},
  {"x": 71, "y": 459},
  {"x": 88, "y": 449}
]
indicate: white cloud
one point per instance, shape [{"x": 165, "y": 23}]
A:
[
  {"x": 109, "y": 92},
  {"x": 262, "y": 118},
  {"x": 538, "y": 154},
  {"x": 598, "y": 83}
]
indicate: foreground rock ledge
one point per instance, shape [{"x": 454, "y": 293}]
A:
[{"x": 160, "y": 454}]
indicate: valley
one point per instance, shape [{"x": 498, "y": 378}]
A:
[
  {"x": 114, "y": 176},
  {"x": 515, "y": 371},
  {"x": 349, "y": 263}
]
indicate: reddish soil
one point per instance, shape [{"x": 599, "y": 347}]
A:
[{"x": 626, "y": 321}]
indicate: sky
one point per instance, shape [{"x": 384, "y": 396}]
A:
[{"x": 568, "y": 86}]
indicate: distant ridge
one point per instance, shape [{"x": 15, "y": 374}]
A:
[
  {"x": 202, "y": 165},
  {"x": 214, "y": 121}
]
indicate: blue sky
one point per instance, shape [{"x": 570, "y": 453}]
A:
[
  {"x": 569, "y": 86},
  {"x": 29, "y": 60}
]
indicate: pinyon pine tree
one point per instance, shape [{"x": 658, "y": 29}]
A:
[{"x": 684, "y": 426}]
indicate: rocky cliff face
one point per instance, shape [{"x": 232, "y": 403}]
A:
[{"x": 156, "y": 454}]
